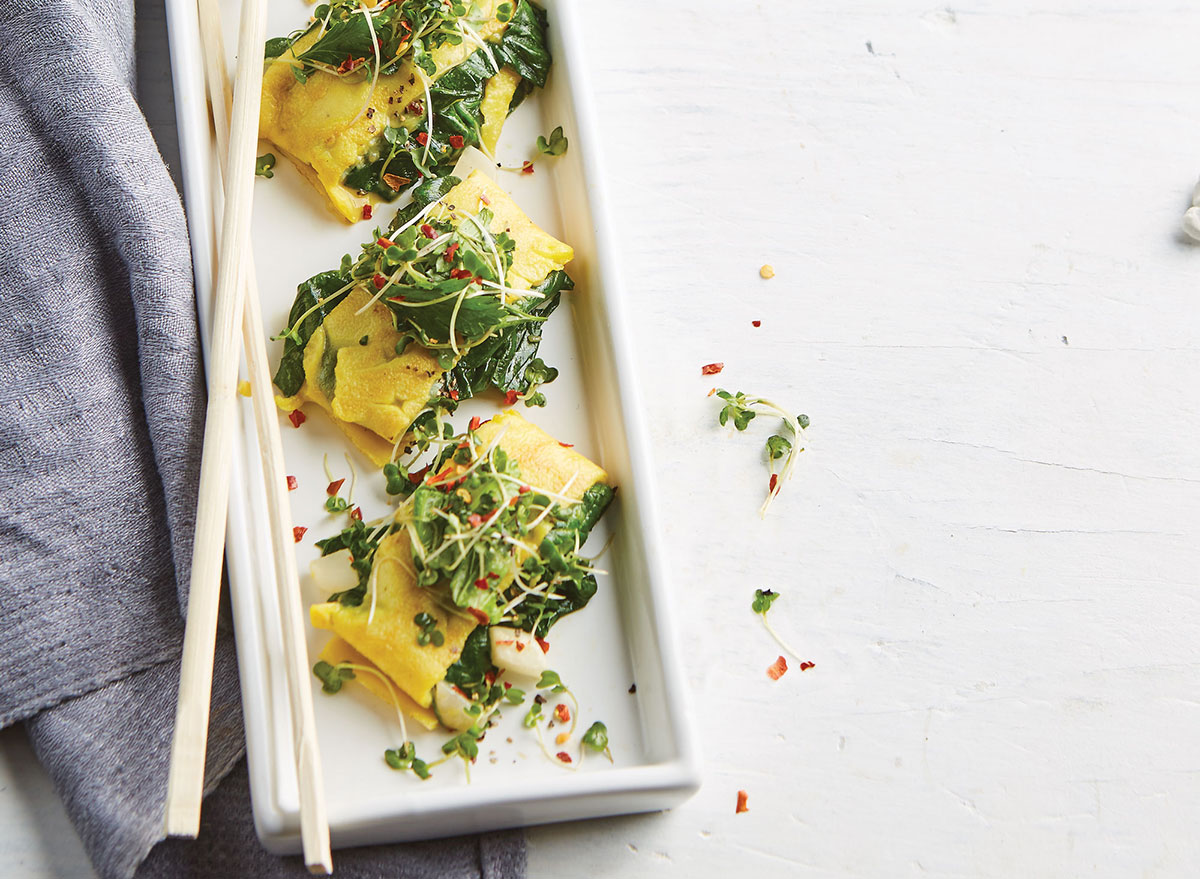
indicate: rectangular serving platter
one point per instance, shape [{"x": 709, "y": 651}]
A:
[{"x": 624, "y": 636}]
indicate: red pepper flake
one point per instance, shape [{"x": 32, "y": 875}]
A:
[
  {"x": 507, "y": 685},
  {"x": 422, "y": 138},
  {"x": 427, "y": 231},
  {"x": 711, "y": 368},
  {"x": 567, "y": 445},
  {"x": 520, "y": 645},
  {"x": 476, "y": 520},
  {"x": 756, "y": 323},
  {"x": 292, "y": 483},
  {"x": 452, "y": 394},
  {"x": 524, "y": 489},
  {"x": 356, "y": 514},
  {"x": 805, "y": 666},
  {"x": 492, "y": 575},
  {"x": 334, "y": 487},
  {"x": 741, "y": 803},
  {"x": 385, "y": 243},
  {"x": 416, "y": 107},
  {"x": 490, "y": 677},
  {"x": 483, "y": 198},
  {"x": 774, "y": 482},
  {"x": 456, "y": 141},
  {"x": 480, "y": 617},
  {"x": 459, "y": 274},
  {"x": 450, "y": 251},
  {"x": 475, "y": 422},
  {"x": 297, "y": 417},
  {"x": 562, "y": 713},
  {"x": 711, "y": 391},
  {"x": 563, "y": 756},
  {"x": 380, "y": 281},
  {"x": 417, "y": 475},
  {"x": 777, "y": 669},
  {"x": 366, "y": 212},
  {"x": 349, "y": 64},
  {"x": 298, "y": 532},
  {"x": 527, "y": 167},
  {"x": 543, "y": 643},
  {"x": 510, "y": 397}
]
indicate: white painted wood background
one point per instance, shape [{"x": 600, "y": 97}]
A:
[{"x": 991, "y": 551}]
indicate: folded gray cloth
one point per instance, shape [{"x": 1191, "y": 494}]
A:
[{"x": 101, "y": 408}]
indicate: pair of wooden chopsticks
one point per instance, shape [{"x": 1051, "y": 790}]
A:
[{"x": 236, "y": 303}]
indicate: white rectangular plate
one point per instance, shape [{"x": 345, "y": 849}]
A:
[{"x": 622, "y": 637}]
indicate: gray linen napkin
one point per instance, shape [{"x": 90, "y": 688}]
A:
[{"x": 101, "y": 407}]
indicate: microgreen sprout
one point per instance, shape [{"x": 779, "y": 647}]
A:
[
  {"x": 763, "y": 599},
  {"x": 741, "y": 410},
  {"x": 264, "y": 164},
  {"x": 332, "y": 677},
  {"x": 556, "y": 145},
  {"x": 430, "y": 633},
  {"x": 596, "y": 738}
]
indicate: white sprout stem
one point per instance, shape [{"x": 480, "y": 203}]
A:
[
  {"x": 428, "y": 118},
  {"x": 789, "y": 463},
  {"x": 470, "y": 32},
  {"x": 354, "y": 666},
  {"x": 574, "y": 767},
  {"x": 486, "y": 235},
  {"x": 378, "y": 63},
  {"x": 325, "y": 464},
  {"x": 546, "y": 512},
  {"x": 353, "y": 478},
  {"x": 784, "y": 644}
]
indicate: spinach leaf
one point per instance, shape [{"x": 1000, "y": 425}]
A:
[
  {"x": 315, "y": 298},
  {"x": 524, "y": 46},
  {"x": 469, "y": 673},
  {"x": 503, "y": 361}
]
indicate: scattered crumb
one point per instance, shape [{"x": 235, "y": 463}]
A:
[
  {"x": 509, "y": 740},
  {"x": 1065, "y": 342},
  {"x": 777, "y": 669},
  {"x": 493, "y": 759},
  {"x": 870, "y": 48},
  {"x": 561, "y": 738},
  {"x": 767, "y": 272},
  {"x": 633, "y": 688},
  {"x": 741, "y": 802},
  {"x": 244, "y": 388}
]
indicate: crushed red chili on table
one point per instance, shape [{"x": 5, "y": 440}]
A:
[
  {"x": 456, "y": 141},
  {"x": 474, "y": 424},
  {"x": 292, "y": 483},
  {"x": 297, "y": 417},
  {"x": 805, "y": 666},
  {"x": 711, "y": 368},
  {"x": 774, "y": 482},
  {"x": 777, "y": 669},
  {"x": 298, "y": 533},
  {"x": 563, "y": 713},
  {"x": 356, "y": 514},
  {"x": 366, "y": 212},
  {"x": 543, "y": 643},
  {"x": 334, "y": 487},
  {"x": 742, "y": 806},
  {"x": 756, "y": 323},
  {"x": 452, "y": 394},
  {"x": 563, "y": 756},
  {"x": 567, "y": 445}
]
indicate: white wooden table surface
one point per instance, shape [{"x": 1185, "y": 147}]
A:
[{"x": 992, "y": 549}]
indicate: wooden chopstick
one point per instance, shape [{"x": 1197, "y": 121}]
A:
[
  {"x": 185, "y": 782},
  {"x": 314, "y": 824}
]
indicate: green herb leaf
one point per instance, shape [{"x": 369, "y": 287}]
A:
[
  {"x": 555, "y": 146},
  {"x": 596, "y": 737},
  {"x": 778, "y": 446},
  {"x": 514, "y": 696},
  {"x": 263, "y": 165},
  {"x": 763, "y": 599},
  {"x": 332, "y": 677}
]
